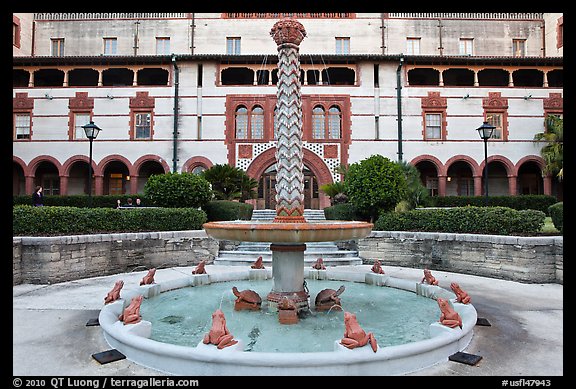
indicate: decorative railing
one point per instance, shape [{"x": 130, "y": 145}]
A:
[
  {"x": 279, "y": 15},
  {"x": 108, "y": 15},
  {"x": 469, "y": 15}
]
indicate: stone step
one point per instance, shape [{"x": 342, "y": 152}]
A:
[{"x": 230, "y": 260}]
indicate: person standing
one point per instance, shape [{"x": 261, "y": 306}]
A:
[{"x": 38, "y": 197}]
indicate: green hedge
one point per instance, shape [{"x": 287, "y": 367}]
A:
[
  {"x": 474, "y": 220},
  {"x": 538, "y": 202},
  {"x": 557, "y": 215},
  {"x": 38, "y": 221},
  {"x": 81, "y": 201},
  {"x": 345, "y": 211},
  {"x": 223, "y": 210}
]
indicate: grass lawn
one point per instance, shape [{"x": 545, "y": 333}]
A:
[{"x": 549, "y": 227}]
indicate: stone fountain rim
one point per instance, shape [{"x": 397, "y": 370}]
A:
[{"x": 425, "y": 353}]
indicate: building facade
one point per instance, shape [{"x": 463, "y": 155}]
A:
[{"x": 180, "y": 92}]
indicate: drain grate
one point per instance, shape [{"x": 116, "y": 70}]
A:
[
  {"x": 108, "y": 356},
  {"x": 469, "y": 359},
  {"x": 92, "y": 322},
  {"x": 482, "y": 322}
]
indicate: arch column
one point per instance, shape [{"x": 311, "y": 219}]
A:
[
  {"x": 512, "y": 185},
  {"x": 476, "y": 83},
  {"x": 64, "y": 185},
  {"x": 98, "y": 184},
  {"x": 547, "y": 181},
  {"x": 100, "y": 75},
  {"x": 133, "y": 184},
  {"x": 29, "y": 179},
  {"x": 545, "y": 83},
  {"x": 477, "y": 185},
  {"x": 441, "y": 185}
]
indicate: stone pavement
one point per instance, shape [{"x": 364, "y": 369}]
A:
[{"x": 525, "y": 338}]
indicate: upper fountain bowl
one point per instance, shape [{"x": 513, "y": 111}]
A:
[{"x": 288, "y": 233}]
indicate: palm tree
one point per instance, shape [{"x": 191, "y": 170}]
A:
[
  {"x": 553, "y": 151},
  {"x": 231, "y": 183}
]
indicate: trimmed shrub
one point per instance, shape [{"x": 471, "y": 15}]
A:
[
  {"x": 222, "y": 210},
  {"x": 345, "y": 211},
  {"x": 556, "y": 212},
  {"x": 538, "y": 202},
  {"x": 177, "y": 190},
  {"x": 375, "y": 185},
  {"x": 473, "y": 220},
  {"x": 37, "y": 221}
]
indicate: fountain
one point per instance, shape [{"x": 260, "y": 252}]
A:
[{"x": 355, "y": 351}]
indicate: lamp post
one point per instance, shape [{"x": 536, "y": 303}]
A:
[
  {"x": 92, "y": 131},
  {"x": 485, "y": 131}
]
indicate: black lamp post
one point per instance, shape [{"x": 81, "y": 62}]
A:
[
  {"x": 485, "y": 131},
  {"x": 92, "y": 131}
]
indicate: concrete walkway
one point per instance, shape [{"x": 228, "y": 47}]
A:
[{"x": 525, "y": 338}]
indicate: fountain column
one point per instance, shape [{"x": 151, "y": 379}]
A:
[{"x": 288, "y": 259}]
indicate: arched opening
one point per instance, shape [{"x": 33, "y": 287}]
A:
[
  {"x": 153, "y": 76},
  {"x": 78, "y": 179},
  {"x": 423, "y": 76},
  {"x": 497, "y": 179},
  {"x": 267, "y": 189},
  {"x": 237, "y": 76},
  {"x": 116, "y": 178},
  {"x": 18, "y": 180},
  {"x": 428, "y": 176},
  {"x": 117, "y": 77},
  {"x": 458, "y": 77},
  {"x": 83, "y": 77},
  {"x": 48, "y": 77},
  {"x": 493, "y": 77},
  {"x": 146, "y": 170},
  {"x": 555, "y": 78},
  {"x": 459, "y": 180},
  {"x": 47, "y": 175},
  {"x": 20, "y": 78},
  {"x": 529, "y": 180},
  {"x": 528, "y": 77}
]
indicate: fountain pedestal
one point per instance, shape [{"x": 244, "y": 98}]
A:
[{"x": 288, "y": 275}]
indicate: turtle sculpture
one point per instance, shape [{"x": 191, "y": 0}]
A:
[
  {"x": 328, "y": 298},
  {"x": 246, "y": 299}
]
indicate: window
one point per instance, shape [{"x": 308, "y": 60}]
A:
[
  {"x": 80, "y": 119},
  {"x": 432, "y": 185},
  {"x": 58, "y": 47},
  {"x": 257, "y": 123},
  {"x": 318, "y": 122},
  {"x": 466, "y": 46},
  {"x": 413, "y": 46},
  {"x": 162, "y": 46},
  {"x": 51, "y": 184},
  {"x": 199, "y": 169},
  {"x": 495, "y": 119},
  {"x": 233, "y": 46},
  {"x": 433, "y": 126},
  {"x": 342, "y": 45},
  {"x": 22, "y": 124},
  {"x": 326, "y": 126},
  {"x": 250, "y": 125},
  {"x": 142, "y": 128},
  {"x": 241, "y": 123},
  {"x": 110, "y": 45},
  {"x": 519, "y": 47},
  {"x": 16, "y": 32}
]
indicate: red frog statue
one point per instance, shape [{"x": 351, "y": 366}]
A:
[
  {"x": 201, "y": 268},
  {"x": 448, "y": 316},
  {"x": 148, "y": 278},
  {"x": 219, "y": 334},
  {"x": 354, "y": 335},
  {"x": 131, "y": 314},
  {"x": 429, "y": 278},
  {"x": 257, "y": 264},
  {"x": 461, "y": 295},
  {"x": 114, "y": 294}
]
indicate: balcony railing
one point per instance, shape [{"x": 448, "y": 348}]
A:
[
  {"x": 469, "y": 15},
  {"x": 108, "y": 15}
]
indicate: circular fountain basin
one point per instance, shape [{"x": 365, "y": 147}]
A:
[
  {"x": 134, "y": 341},
  {"x": 288, "y": 233}
]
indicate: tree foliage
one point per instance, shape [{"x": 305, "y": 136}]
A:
[
  {"x": 177, "y": 190},
  {"x": 553, "y": 150},
  {"x": 230, "y": 183},
  {"x": 375, "y": 185}
]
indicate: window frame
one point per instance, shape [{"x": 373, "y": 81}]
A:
[
  {"x": 29, "y": 127},
  {"x": 162, "y": 43},
  {"x": 114, "y": 46},
  {"x": 59, "y": 42},
  {"x": 465, "y": 50},
  {"x": 518, "y": 47},
  {"x": 342, "y": 45},
  {"x": 413, "y": 43},
  {"x": 233, "y": 45},
  {"x": 137, "y": 114}
]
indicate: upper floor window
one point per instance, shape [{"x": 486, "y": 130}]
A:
[
  {"x": 16, "y": 31},
  {"x": 57, "y": 47},
  {"x": 519, "y": 47},
  {"x": 413, "y": 46},
  {"x": 142, "y": 125},
  {"x": 433, "y": 126},
  {"x": 233, "y": 46},
  {"x": 466, "y": 46},
  {"x": 249, "y": 125},
  {"x": 342, "y": 45},
  {"x": 326, "y": 126},
  {"x": 22, "y": 126},
  {"x": 162, "y": 46},
  {"x": 80, "y": 119},
  {"x": 110, "y": 46},
  {"x": 560, "y": 33},
  {"x": 495, "y": 119}
]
